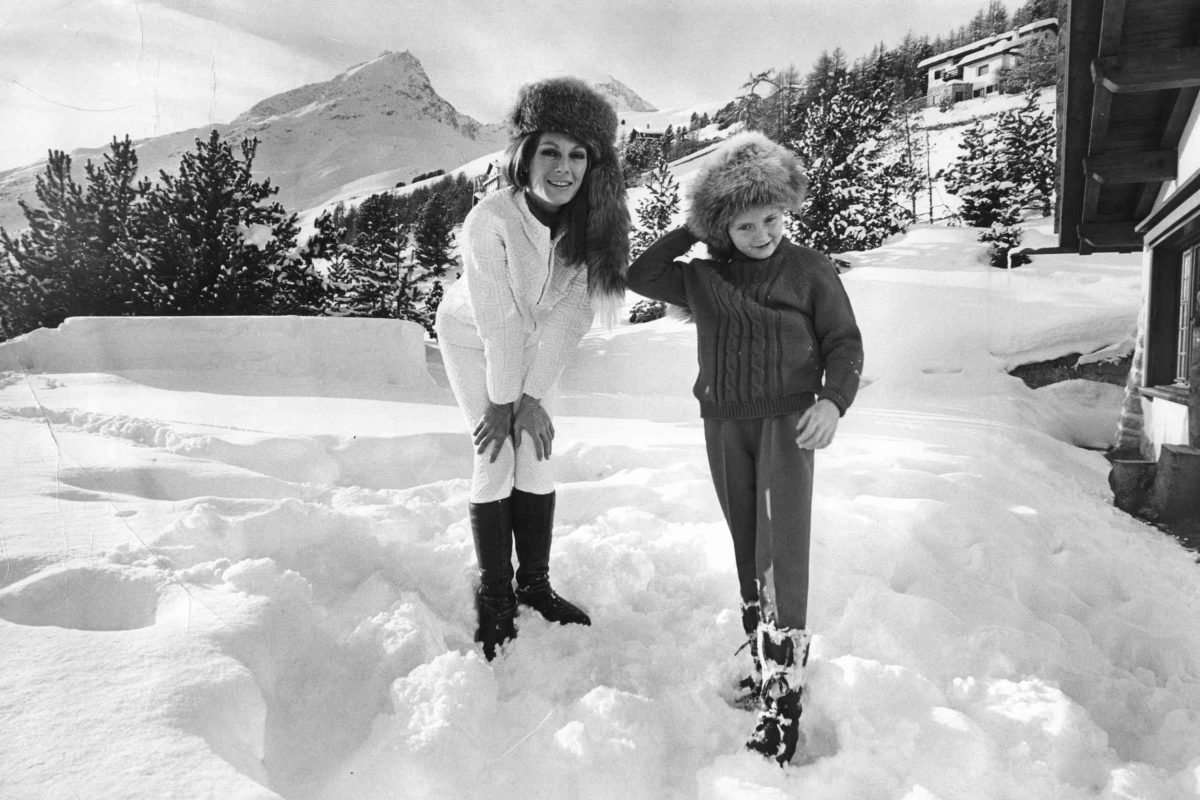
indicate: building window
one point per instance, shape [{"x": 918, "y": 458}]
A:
[
  {"x": 937, "y": 74},
  {"x": 1188, "y": 286},
  {"x": 982, "y": 70},
  {"x": 978, "y": 93}
]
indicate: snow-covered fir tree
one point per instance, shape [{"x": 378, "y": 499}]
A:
[
  {"x": 637, "y": 156},
  {"x": 1026, "y": 139},
  {"x": 657, "y": 209},
  {"x": 860, "y": 176},
  {"x": 215, "y": 244},
  {"x": 374, "y": 276},
  {"x": 434, "y": 238},
  {"x": 1036, "y": 66},
  {"x": 1006, "y": 166},
  {"x": 76, "y": 257},
  {"x": 978, "y": 177}
]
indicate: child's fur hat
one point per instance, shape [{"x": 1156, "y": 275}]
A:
[
  {"x": 748, "y": 170},
  {"x": 570, "y": 106}
]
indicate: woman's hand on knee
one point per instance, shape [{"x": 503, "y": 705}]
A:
[
  {"x": 493, "y": 429},
  {"x": 534, "y": 421}
]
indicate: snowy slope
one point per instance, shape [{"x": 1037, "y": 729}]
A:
[
  {"x": 383, "y": 116},
  {"x": 235, "y": 568}
]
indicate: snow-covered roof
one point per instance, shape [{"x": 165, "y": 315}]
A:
[
  {"x": 989, "y": 46},
  {"x": 951, "y": 55},
  {"x": 1041, "y": 23},
  {"x": 996, "y": 49}
]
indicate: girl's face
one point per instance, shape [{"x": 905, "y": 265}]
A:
[
  {"x": 557, "y": 168},
  {"x": 756, "y": 232}
]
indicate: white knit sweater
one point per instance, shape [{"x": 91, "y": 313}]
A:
[{"x": 514, "y": 294}]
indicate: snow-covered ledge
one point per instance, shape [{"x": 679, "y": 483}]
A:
[{"x": 380, "y": 351}]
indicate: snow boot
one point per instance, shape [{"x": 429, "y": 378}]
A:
[
  {"x": 495, "y": 602},
  {"x": 748, "y": 692},
  {"x": 533, "y": 526},
  {"x": 784, "y": 653}
]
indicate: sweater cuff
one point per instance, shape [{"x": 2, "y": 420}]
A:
[{"x": 837, "y": 398}]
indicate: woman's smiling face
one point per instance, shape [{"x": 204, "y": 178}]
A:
[{"x": 557, "y": 168}]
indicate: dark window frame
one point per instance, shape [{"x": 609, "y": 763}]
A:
[{"x": 1166, "y": 328}]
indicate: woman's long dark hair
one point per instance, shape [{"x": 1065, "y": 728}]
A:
[{"x": 573, "y": 217}]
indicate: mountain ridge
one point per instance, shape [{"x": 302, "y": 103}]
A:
[{"x": 378, "y": 116}]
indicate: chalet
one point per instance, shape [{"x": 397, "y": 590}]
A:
[
  {"x": 1129, "y": 161},
  {"x": 973, "y": 70},
  {"x": 491, "y": 180},
  {"x": 655, "y": 136}
]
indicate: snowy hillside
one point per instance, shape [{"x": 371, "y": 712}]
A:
[
  {"x": 237, "y": 564},
  {"x": 382, "y": 118},
  {"x": 945, "y": 130}
]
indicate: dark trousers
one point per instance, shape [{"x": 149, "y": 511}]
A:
[{"x": 764, "y": 484}]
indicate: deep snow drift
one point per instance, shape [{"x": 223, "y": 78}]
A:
[{"x": 236, "y": 564}]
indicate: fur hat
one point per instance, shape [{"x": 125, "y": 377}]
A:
[
  {"x": 570, "y": 106},
  {"x": 748, "y": 170}
]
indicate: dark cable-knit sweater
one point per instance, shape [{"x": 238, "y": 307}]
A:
[{"x": 774, "y": 335}]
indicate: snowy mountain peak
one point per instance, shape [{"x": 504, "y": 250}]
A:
[
  {"x": 621, "y": 96},
  {"x": 393, "y": 82},
  {"x": 381, "y": 117}
]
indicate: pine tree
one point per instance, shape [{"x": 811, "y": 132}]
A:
[
  {"x": 1005, "y": 163},
  {"x": 1026, "y": 138},
  {"x": 828, "y": 74},
  {"x": 376, "y": 214},
  {"x": 373, "y": 277},
  {"x": 434, "y": 237},
  {"x": 657, "y": 210},
  {"x": 431, "y": 302},
  {"x": 1036, "y": 66},
  {"x": 977, "y": 178},
  {"x": 860, "y": 175},
  {"x": 637, "y": 157},
  {"x": 215, "y": 245},
  {"x": 77, "y": 255},
  {"x": 753, "y": 111},
  {"x": 997, "y": 17},
  {"x": 1034, "y": 10}
]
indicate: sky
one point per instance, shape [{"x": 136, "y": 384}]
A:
[{"x": 75, "y": 73}]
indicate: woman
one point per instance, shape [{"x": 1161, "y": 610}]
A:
[{"x": 537, "y": 257}]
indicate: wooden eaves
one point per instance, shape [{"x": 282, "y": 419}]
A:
[{"x": 1129, "y": 71}]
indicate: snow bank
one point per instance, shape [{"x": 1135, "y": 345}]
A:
[{"x": 387, "y": 351}]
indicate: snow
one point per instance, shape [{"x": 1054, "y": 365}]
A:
[{"x": 237, "y": 564}]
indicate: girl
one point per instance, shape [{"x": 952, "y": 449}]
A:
[{"x": 780, "y": 356}]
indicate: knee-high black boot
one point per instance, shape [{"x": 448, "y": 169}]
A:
[
  {"x": 533, "y": 526},
  {"x": 495, "y": 602}
]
